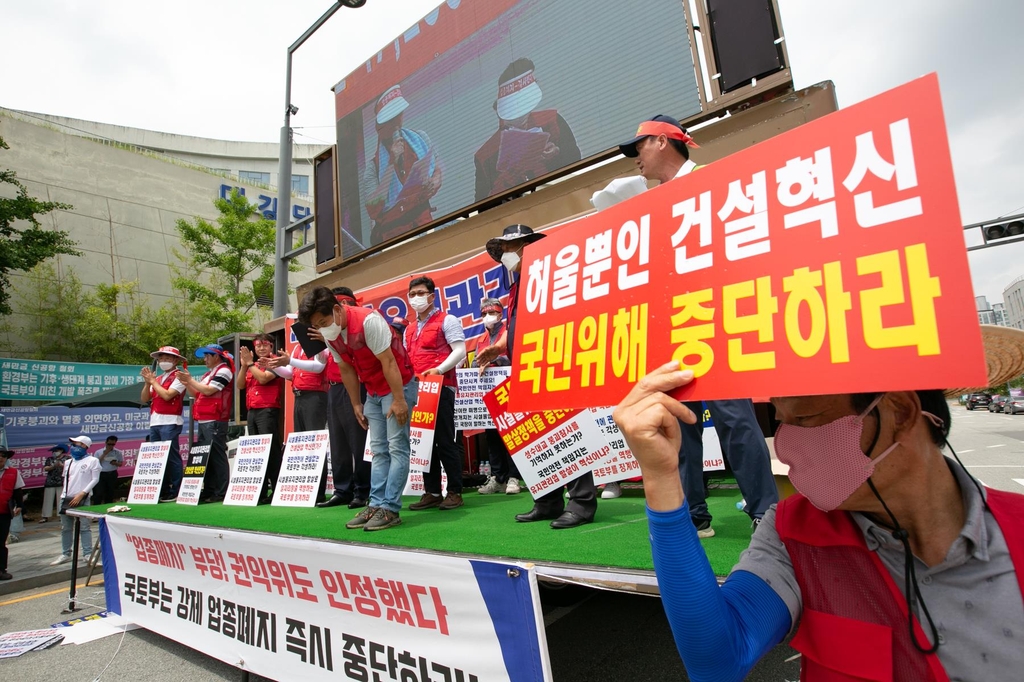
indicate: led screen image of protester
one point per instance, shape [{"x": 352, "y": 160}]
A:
[
  {"x": 882, "y": 518},
  {"x": 369, "y": 352},
  {"x": 403, "y": 175},
  {"x": 213, "y": 397},
  {"x": 264, "y": 400},
  {"x": 437, "y": 346},
  {"x": 11, "y": 501},
  {"x": 504, "y": 476},
  {"x": 661, "y": 149},
  {"x": 529, "y": 142},
  {"x": 110, "y": 459},
  {"x": 165, "y": 394},
  {"x": 348, "y": 437},
  {"x": 81, "y": 475},
  {"x": 507, "y": 249}
]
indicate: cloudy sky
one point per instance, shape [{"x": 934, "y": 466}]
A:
[{"x": 215, "y": 68}]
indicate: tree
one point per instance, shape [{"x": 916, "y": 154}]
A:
[
  {"x": 226, "y": 268},
  {"x": 23, "y": 249}
]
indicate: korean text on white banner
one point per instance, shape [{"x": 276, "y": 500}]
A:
[
  {"x": 246, "y": 483},
  {"x": 550, "y": 448},
  {"x": 414, "y": 483},
  {"x": 291, "y": 608},
  {"x": 302, "y": 465},
  {"x": 619, "y": 464},
  {"x": 470, "y": 411},
  {"x": 193, "y": 475},
  {"x": 149, "y": 473},
  {"x": 422, "y": 422}
]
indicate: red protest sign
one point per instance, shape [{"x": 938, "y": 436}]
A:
[
  {"x": 829, "y": 259},
  {"x": 423, "y": 422}
]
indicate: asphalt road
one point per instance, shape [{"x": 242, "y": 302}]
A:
[{"x": 592, "y": 635}]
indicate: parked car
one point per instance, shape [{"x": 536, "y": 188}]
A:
[
  {"x": 998, "y": 403},
  {"x": 978, "y": 400},
  {"x": 1014, "y": 406}
]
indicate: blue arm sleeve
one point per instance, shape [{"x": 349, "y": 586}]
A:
[{"x": 720, "y": 632}]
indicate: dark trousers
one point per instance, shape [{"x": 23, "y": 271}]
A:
[
  {"x": 447, "y": 448},
  {"x": 174, "y": 470},
  {"x": 262, "y": 421},
  {"x": 218, "y": 471},
  {"x": 744, "y": 448},
  {"x": 502, "y": 464},
  {"x": 5, "y": 530},
  {"x": 106, "y": 487},
  {"x": 310, "y": 412},
  {"x": 348, "y": 440},
  {"x": 582, "y": 498}
]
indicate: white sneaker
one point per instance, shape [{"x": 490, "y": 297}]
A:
[
  {"x": 611, "y": 491},
  {"x": 512, "y": 487},
  {"x": 62, "y": 559},
  {"x": 492, "y": 486}
]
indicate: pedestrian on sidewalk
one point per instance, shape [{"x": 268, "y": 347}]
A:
[
  {"x": 81, "y": 475},
  {"x": 110, "y": 459},
  {"x": 11, "y": 499},
  {"x": 54, "y": 468}
]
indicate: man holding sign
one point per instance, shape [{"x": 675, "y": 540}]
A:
[
  {"x": 369, "y": 352},
  {"x": 661, "y": 149},
  {"x": 437, "y": 345}
]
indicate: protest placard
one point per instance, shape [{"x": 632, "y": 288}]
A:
[
  {"x": 470, "y": 412},
  {"x": 245, "y": 487},
  {"x": 149, "y": 473},
  {"x": 193, "y": 475},
  {"x": 302, "y": 465},
  {"x": 422, "y": 422}
]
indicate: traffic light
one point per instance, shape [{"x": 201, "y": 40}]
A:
[{"x": 998, "y": 232}]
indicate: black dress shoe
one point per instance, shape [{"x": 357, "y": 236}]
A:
[
  {"x": 569, "y": 520},
  {"x": 534, "y": 515},
  {"x": 356, "y": 503},
  {"x": 335, "y": 501}
]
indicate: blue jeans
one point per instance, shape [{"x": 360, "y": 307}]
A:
[
  {"x": 67, "y": 533},
  {"x": 174, "y": 470},
  {"x": 389, "y": 444}
]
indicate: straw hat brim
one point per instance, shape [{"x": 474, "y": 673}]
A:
[{"x": 1004, "y": 354}]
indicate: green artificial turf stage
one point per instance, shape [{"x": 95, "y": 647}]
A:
[{"x": 485, "y": 525}]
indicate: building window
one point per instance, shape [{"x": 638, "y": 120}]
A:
[
  {"x": 300, "y": 184},
  {"x": 254, "y": 176}
]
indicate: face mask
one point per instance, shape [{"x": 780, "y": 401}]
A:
[
  {"x": 826, "y": 462},
  {"x": 510, "y": 260},
  {"x": 166, "y": 366},
  {"x": 78, "y": 452},
  {"x": 331, "y": 331},
  {"x": 490, "y": 321},
  {"x": 419, "y": 303}
]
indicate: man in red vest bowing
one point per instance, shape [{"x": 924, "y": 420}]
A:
[
  {"x": 165, "y": 394},
  {"x": 369, "y": 352},
  {"x": 213, "y": 397},
  {"x": 893, "y": 561},
  {"x": 437, "y": 345}
]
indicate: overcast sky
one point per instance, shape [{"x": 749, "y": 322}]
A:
[{"x": 215, "y": 68}]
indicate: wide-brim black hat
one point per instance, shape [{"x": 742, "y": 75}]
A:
[{"x": 510, "y": 234}]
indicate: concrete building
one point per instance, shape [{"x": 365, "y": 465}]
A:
[
  {"x": 1013, "y": 298},
  {"x": 127, "y": 199},
  {"x": 999, "y": 313}
]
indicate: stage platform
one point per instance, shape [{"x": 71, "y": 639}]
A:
[{"x": 611, "y": 553}]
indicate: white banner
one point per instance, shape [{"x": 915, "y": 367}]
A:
[
  {"x": 470, "y": 411},
  {"x": 194, "y": 473},
  {"x": 619, "y": 464},
  {"x": 422, "y": 422},
  {"x": 302, "y": 464},
  {"x": 302, "y": 609},
  {"x": 251, "y": 458},
  {"x": 149, "y": 473},
  {"x": 414, "y": 484}
]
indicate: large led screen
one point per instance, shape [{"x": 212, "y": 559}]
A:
[{"x": 482, "y": 96}]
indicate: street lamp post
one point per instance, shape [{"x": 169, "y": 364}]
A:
[{"x": 284, "y": 171}]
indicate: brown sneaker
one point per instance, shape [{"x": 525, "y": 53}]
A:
[
  {"x": 361, "y": 518},
  {"x": 426, "y": 502},
  {"x": 382, "y": 518},
  {"x": 452, "y": 501}
]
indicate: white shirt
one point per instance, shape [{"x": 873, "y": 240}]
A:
[
  {"x": 166, "y": 419},
  {"x": 80, "y": 476},
  {"x": 377, "y": 332},
  {"x": 112, "y": 456}
]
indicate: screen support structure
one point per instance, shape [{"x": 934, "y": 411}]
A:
[{"x": 283, "y": 250}]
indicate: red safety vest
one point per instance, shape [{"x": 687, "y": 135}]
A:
[
  {"x": 303, "y": 380},
  {"x": 430, "y": 348},
  {"x": 216, "y": 407},
  {"x": 485, "y": 340},
  {"x": 366, "y": 364},
  {"x": 161, "y": 406},
  {"x": 258, "y": 396},
  {"x": 333, "y": 371},
  {"x": 854, "y": 620},
  {"x": 7, "y": 481}
]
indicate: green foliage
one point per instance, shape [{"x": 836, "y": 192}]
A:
[{"x": 22, "y": 248}]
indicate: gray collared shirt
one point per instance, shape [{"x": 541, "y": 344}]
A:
[{"x": 973, "y": 596}]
